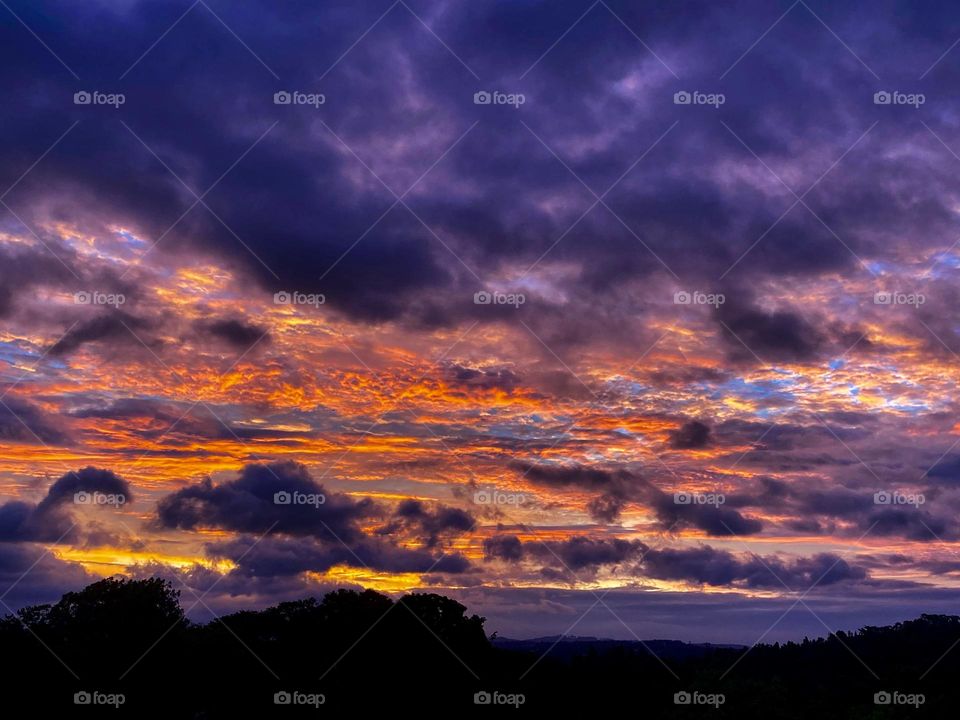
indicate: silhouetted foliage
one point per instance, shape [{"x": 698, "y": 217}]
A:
[{"x": 424, "y": 653}]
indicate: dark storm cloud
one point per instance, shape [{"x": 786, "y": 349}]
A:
[
  {"x": 805, "y": 500},
  {"x": 580, "y": 552},
  {"x": 482, "y": 378},
  {"x": 571, "y": 475},
  {"x": 315, "y": 535},
  {"x": 249, "y": 504},
  {"x": 499, "y": 196},
  {"x": 89, "y": 480},
  {"x": 21, "y": 521},
  {"x": 312, "y": 537},
  {"x": 614, "y": 487},
  {"x": 577, "y": 553},
  {"x": 21, "y": 421},
  {"x": 911, "y": 523},
  {"x": 23, "y": 268},
  {"x": 691, "y": 435},
  {"x": 238, "y": 333},
  {"x": 709, "y": 566},
  {"x": 278, "y": 556},
  {"x": 771, "y": 336},
  {"x": 179, "y": 423},
  {"x": 816, "y": 508},
  {"x": 948, "y": 468},
  {"x": 713, "y": 519},
  {"x": 702, "y": 565},
  {"x": 30, "y": 575},
  {"x": 412, "y": 517},
  {"x": 617, "y": 487},
  {"x": 503, "y": 547},
  {"x": 51, "y": 520},
  {"x": 117, "y": 327}
]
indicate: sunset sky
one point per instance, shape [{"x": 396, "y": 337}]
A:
[{"x": 713, "y": 395}]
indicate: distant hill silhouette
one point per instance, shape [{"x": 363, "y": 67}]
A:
[
  {"x": 569, "y": 647},
  {"x": 129, "y": 640}
]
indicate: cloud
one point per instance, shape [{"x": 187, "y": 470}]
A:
[
  {"x": 503, "y": 547},
  {"x": 118, "y": 327},
  {"x": 708, "y": 566},
  {"x": 691, "y": 435},
  {"x": 413, "y": 517},
  {"x": 182, "y": 423},
  {"x": 577, "y": 553},
  {"x": 713, "y": 519},
  {"x": 22, "y": 421},
  {"x": 51, "y": 520},
  {"x": 780, "y": 335},
  {"x": 616, "y": 487},
  {"x": 234, "y": 332},
  {"x": 247, "y": 505},
  {"x": 702, "y": 565},
  {"x": 288, "y": 538},
  {"x": 279, "y": 556},
  {"x": 30, "y": 575},
  {"x": 89, "y": 480}
]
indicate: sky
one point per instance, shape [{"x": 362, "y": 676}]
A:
[{"x": 631, "y": 320}]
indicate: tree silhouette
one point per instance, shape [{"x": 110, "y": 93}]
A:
[{"x": 424, "y": 652}]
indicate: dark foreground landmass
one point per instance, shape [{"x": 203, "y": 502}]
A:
[{"x": 124, "y": 648}]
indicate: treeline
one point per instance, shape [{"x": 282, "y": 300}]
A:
[{"x": 125, "y": 648}]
